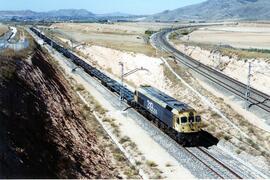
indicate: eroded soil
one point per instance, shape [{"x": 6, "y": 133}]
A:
[{"x": 42, "y": 134}]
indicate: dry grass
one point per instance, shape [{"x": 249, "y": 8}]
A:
[
  {"x": 111, "y": 36},
  {"x": 244, "y": 53},
  {"x": 3, "y": 29},
  {"x": 142, "y": 48},
  {"x": 123, "y": 28},
  {"x": 24, "y": 53},
  {"x": 241, "y": 54},
  {"x": 248, "y": 36},
  {"x": 7, "y": 70},
  {"x": 131, "y": 173}
]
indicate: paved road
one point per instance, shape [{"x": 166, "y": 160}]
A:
[{"x": 214, "y": 77}]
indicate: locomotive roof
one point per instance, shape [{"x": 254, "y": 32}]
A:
[{"x": 170, "y": 101}]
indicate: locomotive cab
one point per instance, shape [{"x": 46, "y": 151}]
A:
[{"x": 187, "y": 122}]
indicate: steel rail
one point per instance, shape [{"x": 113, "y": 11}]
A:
[{"x": 201, "y": 68}]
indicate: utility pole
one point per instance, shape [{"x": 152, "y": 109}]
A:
[
  {"x": 50, "y": 32},
  {"x": 122, "y": 79},
  {"x": 219, "y": 54},
  {"x": 248, "y": 86},
  {"x": 125, "y": 75},
  {"x": 52, "y": 40},
  {"x": 72, "y": 44}
]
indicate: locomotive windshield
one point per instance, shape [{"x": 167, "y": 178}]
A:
[{"x": 183, "y": 119}]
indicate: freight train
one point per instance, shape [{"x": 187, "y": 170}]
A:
[{"x": 175, "y": 118}]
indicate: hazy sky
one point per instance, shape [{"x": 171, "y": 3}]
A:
[{"x": 98, "y": 6}]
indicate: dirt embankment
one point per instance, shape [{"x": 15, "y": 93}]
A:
[
  {"x": 160, "y": 77},
  {"x": 230, "y": 50},
  {"x": 42, "y": 134}
]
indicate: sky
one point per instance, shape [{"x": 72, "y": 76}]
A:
[{"x": 137, "y": 7}]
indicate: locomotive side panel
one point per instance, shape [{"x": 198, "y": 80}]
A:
[{"x": 155, "y": 109}]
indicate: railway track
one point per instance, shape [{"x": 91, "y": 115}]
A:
[
  {"x": 200, "y": 154},
  {"x": 216, "y": 167},
  {"x": 256, "y": 98}
]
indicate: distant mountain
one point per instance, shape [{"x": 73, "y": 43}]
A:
[
  {"x": 218, "y": 10},
  {"x": 79, "y": 13},
  {"x": 62, "y": 14},
  {"x": 17, "y": 13}
]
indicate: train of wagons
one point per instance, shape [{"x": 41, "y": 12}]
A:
[{"x": 175, "y": 118}]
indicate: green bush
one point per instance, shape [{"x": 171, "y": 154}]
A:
[{"x": 149, "y": 32}]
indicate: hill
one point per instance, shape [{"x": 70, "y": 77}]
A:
[
  {"x": 218, "y": 10},
  {"x": 62, "y": 15},
  {"x": 77, "y": 13}
]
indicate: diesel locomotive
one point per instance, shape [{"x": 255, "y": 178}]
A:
[{"x": 170, "y": 112}]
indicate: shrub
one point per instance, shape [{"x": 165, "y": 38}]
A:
[
  {"x": 149, "y": 32},
  {"x": 138, "y": 163},
  {"x": 151, "y": 163},
  {"x": 168, "y": 165},
  {"x": 80, "y": 87},
  {"x": 227, "y": 138},
  {"x": 124, "y": 139},
  {"x": 119, "y": 157}
]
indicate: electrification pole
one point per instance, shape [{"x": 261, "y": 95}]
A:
[
  {"x": 248, "y": 85},
  {"x": 219, "y": 54},
  {"x": 122, "y": 79},
  {"x": 127, "y": 74}
]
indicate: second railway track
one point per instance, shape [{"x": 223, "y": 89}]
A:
[
  {"x": 257, "y": 98},
  {"x": 212, "y": 163}
]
